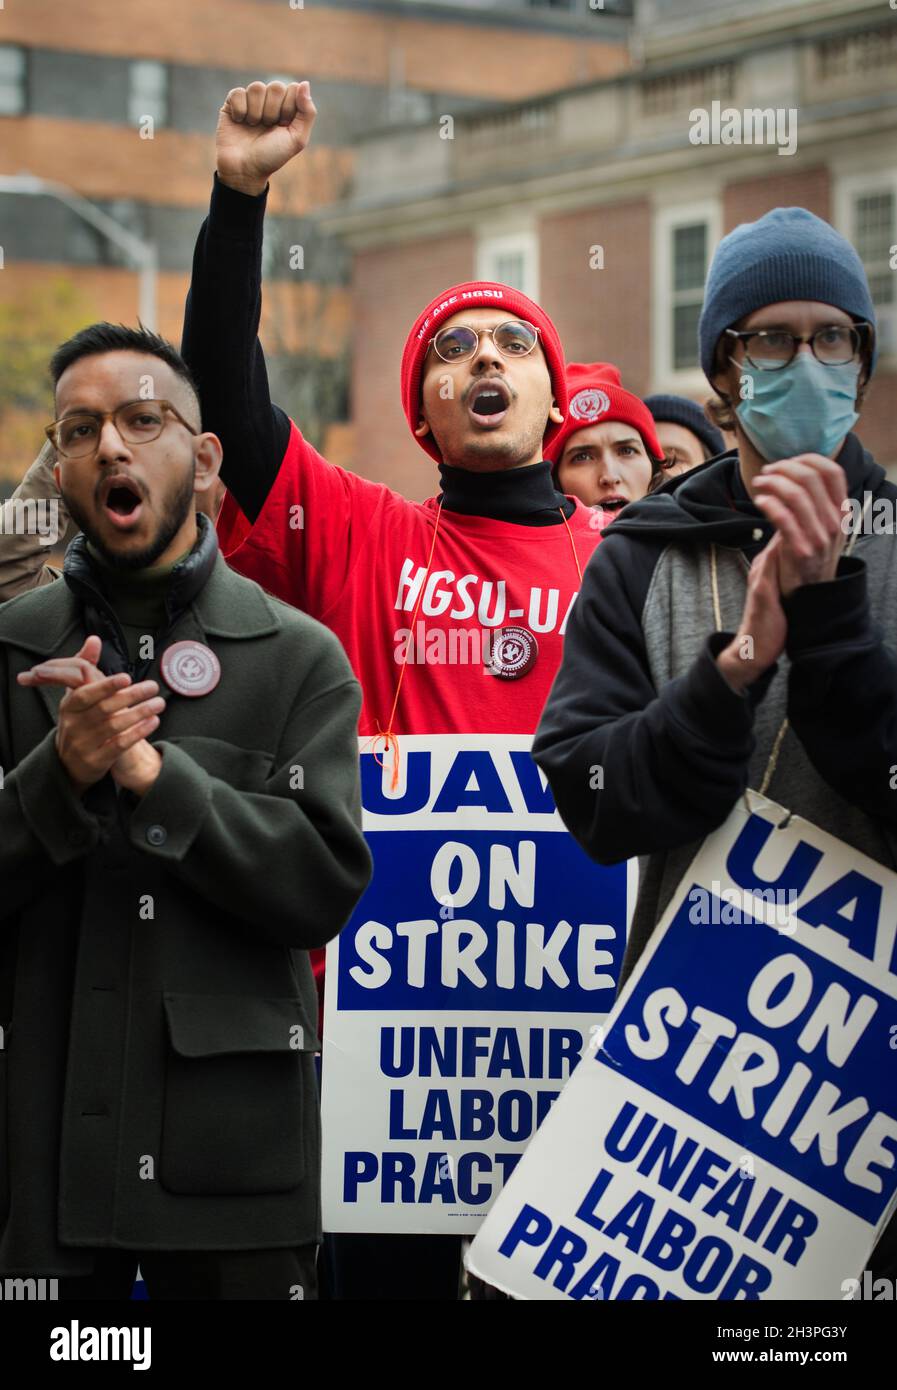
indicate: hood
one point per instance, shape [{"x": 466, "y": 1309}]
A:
[{"x": 710, "y": 503}]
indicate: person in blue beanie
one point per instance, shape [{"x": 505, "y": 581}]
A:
[
  {"x": 738, "y": 628},
  {"x": 686, "y": 435}
]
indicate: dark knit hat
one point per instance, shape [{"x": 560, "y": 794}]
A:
[
  {"x": 597, "y": 395},
  {"x": 679, "y": 410},
  {"x": 788, "y": 254},
  {"x": 477, "y": 294}
]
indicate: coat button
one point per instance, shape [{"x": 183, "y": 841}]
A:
[
  {"x": 77, "y": 838},
  {"x": 156, "y": 835}
]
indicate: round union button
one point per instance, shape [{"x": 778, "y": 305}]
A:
[
  {"x": 190, "y": 668},
  {"x": 514, "y": 653}
]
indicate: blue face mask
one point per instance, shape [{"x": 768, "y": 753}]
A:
[{"x": 804, "y": 408}]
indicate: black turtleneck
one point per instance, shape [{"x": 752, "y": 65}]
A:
[
  {"x": 526, "y": 495},
  {"x": 221, "y": 346}
]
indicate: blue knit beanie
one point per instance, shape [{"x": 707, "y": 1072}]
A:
[
  {"x": 679, "y": 410},
  {"x": 788, "y": 254}
]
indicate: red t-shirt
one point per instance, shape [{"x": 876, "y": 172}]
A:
[{"x": 353, "y": 554}]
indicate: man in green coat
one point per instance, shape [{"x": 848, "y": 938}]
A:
[{"x": 179, "y": 824}]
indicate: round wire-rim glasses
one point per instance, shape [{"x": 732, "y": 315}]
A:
[{"x": 468, "y": 339}]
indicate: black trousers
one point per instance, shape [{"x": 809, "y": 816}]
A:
[{"x": 209, "y": 1274}]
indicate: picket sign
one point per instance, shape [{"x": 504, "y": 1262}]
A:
[
  {"x": 461, "y": 994},
  {"x": 733, "y": 1134}
]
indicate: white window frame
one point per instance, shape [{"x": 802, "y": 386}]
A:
[
  {"x": 135, "y": 116},
  {"x": 666, "y": 219},
  {"x": 23, "y": 59},
  {"x": 524, "y": 243},
  {"x": 847, "y": 189}
]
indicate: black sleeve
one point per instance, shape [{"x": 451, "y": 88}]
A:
[
  {"x": 842, "y": 689},
  {"x": 221, "y": 347},
  {"x": 632, "y": 771},
  {"x": 45, "y": 827}
]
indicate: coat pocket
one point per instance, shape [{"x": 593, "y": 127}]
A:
[
  {"x": 245, "y": 769},
  {"x": 236, "y": 1077}
]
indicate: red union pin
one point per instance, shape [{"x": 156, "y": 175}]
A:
[
  {"x": 514, "y": 652},
  {"x": 189, "y": 668}
]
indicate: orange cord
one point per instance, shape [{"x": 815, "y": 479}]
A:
[
  {"x": 391, "y": 739},
  {"x": 572, "y": 544}
]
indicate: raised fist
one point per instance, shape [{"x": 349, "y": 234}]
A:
[{"x": 260, "y": 128}]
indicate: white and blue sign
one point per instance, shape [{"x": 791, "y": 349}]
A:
[
  {"x": 733, "y": 1134},
  {"x": 467, "y": 984}
]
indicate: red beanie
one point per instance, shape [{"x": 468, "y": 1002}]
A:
[
  {"x": 596, "y": 395},
  {"x": 477, "y": 294}
]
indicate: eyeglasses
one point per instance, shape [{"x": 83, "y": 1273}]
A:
[
  {"x": 516, "y": 338},
  {"x": 770, "y": 349},
  {"x": 138, "y": 422}
]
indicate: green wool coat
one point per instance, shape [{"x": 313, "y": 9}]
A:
[{"x": 157, "y": 1082}]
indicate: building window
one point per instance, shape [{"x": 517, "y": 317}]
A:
[
  {"x": 12, "y": 80},
  {"x": 867, "y": 215},
  {"x": 148, "y": 92},
  {"x": 672, "y": 94},
  {"x": 852, "y": 57},
  {"x": 511, "y": 260},
  {"x": 684, "y": 242},
  {"x": 405, "y": 106},
  {"x": 689, "y": 269}
]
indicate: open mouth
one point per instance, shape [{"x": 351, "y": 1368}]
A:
[
  {"x": 488, "y": 402},
  {"x": 122, "y": 502},
  {"x": 613, "y": 504}
]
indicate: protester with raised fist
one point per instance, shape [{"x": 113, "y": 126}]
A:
[{"x": 498, "y": 553}]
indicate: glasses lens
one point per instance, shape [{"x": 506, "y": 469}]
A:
[
  {"x": 770, "y": 350},
  {"x": 454, "y": 344},
  {"x": 515, "y": 338},
  {"x": 835, "y": 344},
  {"x": 77, "y": 434},
  {"x": 140, "y": 421}
]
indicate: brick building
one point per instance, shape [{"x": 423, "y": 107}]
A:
[
  {"x": 117, "y": 100},
  {"x": 595, "y": 201}
]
